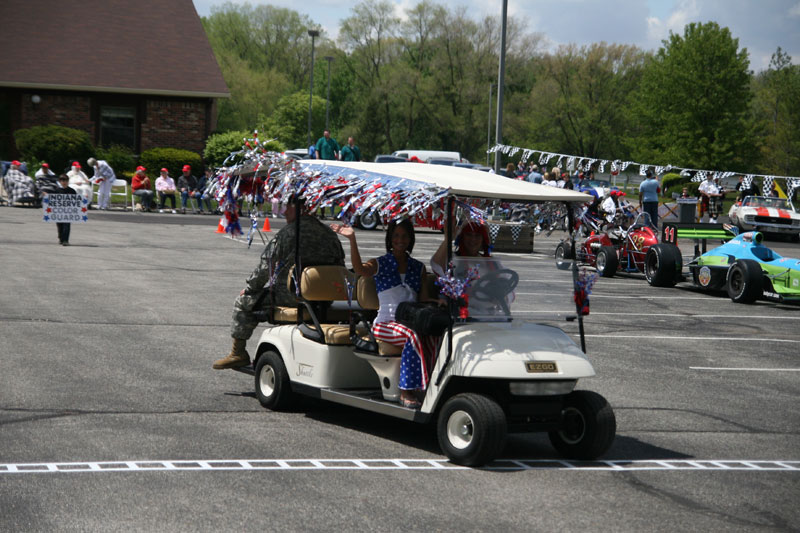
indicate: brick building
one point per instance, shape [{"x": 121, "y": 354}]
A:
[{"x": 140, "y": 73}]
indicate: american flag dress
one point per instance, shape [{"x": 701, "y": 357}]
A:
[{"x": 392, "y": 290}]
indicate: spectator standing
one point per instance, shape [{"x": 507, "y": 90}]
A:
[
  {"x": 187, "y": 185},
  {"x": 140, "y": 184},
  {"x": 165, "y": 187},
  {"x": 648, "y": 196},
  {"x": 535, "y": 176},
  {"x": 709, "y": 195},
  {"x": 327, "y": 148},
  {"x": 104, "y": 178},
  {"x": 63, "y": 227},
  {"x": 744, "y": 192},
  {"x": 350, "y": 151},
  {"x": 80, "y": 182},
  {"x": 772, "y": 192}
]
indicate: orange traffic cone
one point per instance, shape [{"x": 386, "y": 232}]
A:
[
  {"x": 266, "y": 224},
  {"x": 220, "y": 227}
]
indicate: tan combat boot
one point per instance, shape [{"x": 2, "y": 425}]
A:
[{"x": 238, "y": 356}]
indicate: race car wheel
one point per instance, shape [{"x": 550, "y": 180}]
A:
[
  {"x": 606, "y": 262},
  {"x": 471, "y": 429},
  {"x": 563, "y": 256},
  {"x": 368, "y": 220},
  {"x": 745, "y": 282},
  {"x": 662, "y": 265},
  {"x": 272, "y": 382},
  {"x": 589, "y": 426}
]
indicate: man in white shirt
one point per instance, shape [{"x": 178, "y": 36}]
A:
[
  {"x": 710, "y": 199},
  {"x": 104, "y": 178},
  {"x": 80, "y": 182}
]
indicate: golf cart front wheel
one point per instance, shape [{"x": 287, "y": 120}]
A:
[
  {"x": 272, "y": 382},
  {"x": 588, "y": 426},
  {"x": 368, "y": 220},
  {"x": 471, "y": 429},
  {"x": 563, "y": 256}
]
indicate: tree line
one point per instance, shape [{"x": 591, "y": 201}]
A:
[{"x": 424, "y": 82}]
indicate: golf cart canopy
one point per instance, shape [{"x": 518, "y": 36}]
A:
[{"x": 459, "y": 181}]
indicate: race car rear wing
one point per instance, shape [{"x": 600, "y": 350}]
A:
[{"x": 700, "y": 233}]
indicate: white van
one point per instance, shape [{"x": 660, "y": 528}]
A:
[{"x": 427, "y": 155}]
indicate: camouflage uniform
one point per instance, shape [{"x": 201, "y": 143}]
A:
[{"x": 319, "y": 245}]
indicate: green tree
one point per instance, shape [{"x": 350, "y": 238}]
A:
[
  {"x": 289, "y": 122},
  {"x": 693, "y": 103},
  {"x": 777, "y": 110},
  {"x": 578, "y": 104}
]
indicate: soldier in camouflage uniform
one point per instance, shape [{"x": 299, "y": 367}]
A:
[{"x": 319, "y": 245}]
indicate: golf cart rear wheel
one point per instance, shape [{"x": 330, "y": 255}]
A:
[
  {"x": 471, "y": 429},
  {"x": 662, "y": 265},
  {"x": 606, "y": 262},
  {"x": 745, "y": 282},
  {"x": 563, "y": 256},
  {"x": 272, "y": 382},
  {"x": 589, "y": 426}
]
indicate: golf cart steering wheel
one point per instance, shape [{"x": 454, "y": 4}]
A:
[{"x": 495, "y": 286}]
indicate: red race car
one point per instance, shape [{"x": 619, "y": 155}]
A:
[{"x": 612, "y": 250}]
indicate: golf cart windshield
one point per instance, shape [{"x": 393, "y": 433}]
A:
[{"x": 490, "y": 293}]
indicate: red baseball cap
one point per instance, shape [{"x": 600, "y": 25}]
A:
[
  {"x": 164, "y": 170},
  {"x": 76, "y": 164},
  {"x": 140, "y": 168},
  {"x": 45, "y": 165},
  {"x": 15, "y": 162},
  {"x": 187, "y": 167}
]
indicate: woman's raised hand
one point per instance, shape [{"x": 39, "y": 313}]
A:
[{"x": 343, "y": 230}]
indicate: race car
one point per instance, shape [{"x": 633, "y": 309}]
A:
[
  {"x": 766, "y": 214},
  {"x": 743, "y": 267}
]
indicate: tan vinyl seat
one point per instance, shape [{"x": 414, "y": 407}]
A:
[{"x": 328, "y": 283}]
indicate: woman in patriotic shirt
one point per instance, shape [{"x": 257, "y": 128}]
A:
[{"x": 398, "y": 278}]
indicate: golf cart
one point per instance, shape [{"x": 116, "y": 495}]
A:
[{"x": 494, "y": 373}]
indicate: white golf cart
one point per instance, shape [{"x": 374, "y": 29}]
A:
[{"x": 494, "y": 374}]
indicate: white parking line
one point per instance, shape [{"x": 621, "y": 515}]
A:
[
  {"x": 680, "y": 337},
  {"x": 746, "y": 369},
  {"x": 619, "y": 297},
  {"x": 396, "y": 464}
]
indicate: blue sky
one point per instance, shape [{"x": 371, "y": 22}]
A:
[{"x": 760, "y": 25}]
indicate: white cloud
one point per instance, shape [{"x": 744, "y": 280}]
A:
[{"x": 794, "y": 11}]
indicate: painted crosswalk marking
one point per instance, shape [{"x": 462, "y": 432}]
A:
[{"x": 397, "y": 464}]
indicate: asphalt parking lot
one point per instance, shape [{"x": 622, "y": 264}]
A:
[{"x": 112, "y": 419}]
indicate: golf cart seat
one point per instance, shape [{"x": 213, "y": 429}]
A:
[{"x": 319, "y": 287}]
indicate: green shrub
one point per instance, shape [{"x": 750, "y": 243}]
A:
[
  {"x": 172, "y": 159},
  {"x": 55, "y": 144},
  {"x": 220, "y": 145},
  {"x": 121, "y": 158},
  {"x": 672, "y": 182}
]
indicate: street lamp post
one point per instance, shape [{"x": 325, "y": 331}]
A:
[
  {"x": 313, "y": 34},
  {"x": 328, "y": 95},
  {"x": 489, "y": 124},
  {"x": 501, "y": 74}
]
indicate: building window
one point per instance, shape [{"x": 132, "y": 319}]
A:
[{"x": 118, "y": 126}]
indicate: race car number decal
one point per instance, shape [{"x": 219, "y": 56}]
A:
[
  {"x": 704, "y": 276},
  {"x": 638, "y": 240}
]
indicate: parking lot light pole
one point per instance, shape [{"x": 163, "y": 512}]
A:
[
  {"x": 501, "y": 74},
  {"x": 313, "y": 34},
  {"x": 489, "y": 124},
  {"x": 328, "y": 94}
]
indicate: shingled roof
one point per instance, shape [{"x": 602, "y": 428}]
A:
[{"x": 123, "y": 46}]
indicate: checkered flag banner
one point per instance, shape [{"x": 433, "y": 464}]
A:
[
  {"x": 560, "y": 159},
  {"x": 515, "y": 231},
  {"x": 624, "y": 165},
  {"x": 791, "y": 185},
  {"x": 525, "y": 155},
  {"x": 513, "y": 151},
  {"x": 700, "y": 176},
  {"x": 602, "y": 168},
  {"x": 747, "y": 181},
  {"x": 494, "y": 229},
  {"x": 767, "y": 185},
  {"x": 544, "y": 158},
  {"x": 642, "y": 170},
  {"x": 685, "y": 172},
  {"x": 571, "y": 163}
]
